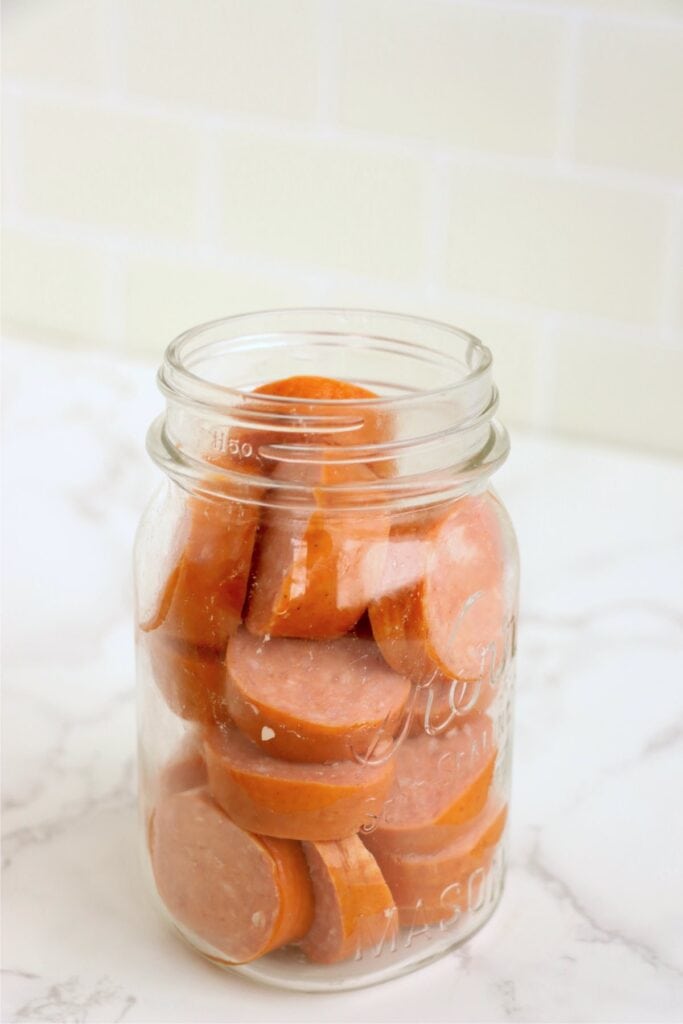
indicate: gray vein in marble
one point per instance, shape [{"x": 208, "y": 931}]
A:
[
  {"x": 56, "y": 759},
  {"x": 70, "y": 1001},
  {"x": 120, "y": 796},
  {"x": 507, "y": 991},
  {"x": 600, "y": 934},
  {"x": 663, "y": 740},
  {"x": 36, "y": 788},
  {"x": 93, "y": 498}
]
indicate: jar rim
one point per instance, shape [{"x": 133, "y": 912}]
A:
[
  {"x": 445, "y": 440},
  {"x": 175, "y": 372}
]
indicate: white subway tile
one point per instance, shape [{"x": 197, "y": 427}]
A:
[
  {"x": 354, "y": 293},
  {"x": 323, "y": 204},
  {"x": 53, "y": 289},
  {"x": 56, "y": 43},
  {"x": 516, "y": 348},
  {"x": 630, "y": 97},
  {"x": 240, "y": 56},
  {"x": 557, "y": 243},
  {"x": 617, "y": 389},
  {"x": 465, "y": 75},
  {"x": 165, "y": 297},
  {"x": 109, "y": 170},
  {"x": 514, "y": 342}
]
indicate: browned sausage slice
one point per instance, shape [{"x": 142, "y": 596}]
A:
[
  {"x": 201, "y": 602},
  {"x": 354, "y": 909},
  {"x": 288, "y": 799},
  {"x": 316, "y": 570},
  {"x": 192, "y": 679},
  {"x": 442, "y": 604},
  {"x": 186, "y": 769},
  {"x": 298, "y": 413},
  {"x": 239, "y": 893},
  {"x": 442, "y": 885},
  {"x": 367, "y": 426},
  {"x": 307, "y": 700},
  {"x": 444, "y": 704},
  {"x": 441, "y": 783}
]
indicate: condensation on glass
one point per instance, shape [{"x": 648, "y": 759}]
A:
[{"x": 326, "y": 604}]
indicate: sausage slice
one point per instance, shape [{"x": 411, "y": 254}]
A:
[
  {"x": 441, "y": 783},
  {"x": 306, "y": 700},
  {"x": 365, "y": 426},
  {"x": 316, "y": 571},
  {"x": 444, "y": 704},
  {"x": 313, "y": 399},
  {"x": 288, "y": 799},
  {"x": 201, "y": 602},
  {"x": 442, "y": 608},
  {"x": 240, "y": 893},
  {"x": 190, "y": 678},
  {"x": 354, "y": 909},
  {"x": 440, "y": 886},
  {"x": 185, "y": 770}
]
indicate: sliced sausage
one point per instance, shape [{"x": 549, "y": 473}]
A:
[
  {"x": 185, "y": 770},
  {"x": 190, "y": 678},
  {"x": 354, "y": 909},
  {"x": 441, "y": 783},
  {"x": 445, "y": 704},
  {"x": 201, "y": 602},
  {"x": 442, "y": 607},
  {"x": 288, "y": 799},
  {"x": 316, "y": 571},
  {"x": 302, "y": 420},
  {"x": 307, "y": 700},
  {"x": 240, "y": 893},
  {"x": 365, "y": 426},
  {"x": 431, "y": 888}
]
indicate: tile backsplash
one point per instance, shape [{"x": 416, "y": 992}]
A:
[{"x": 514, "y": 166}]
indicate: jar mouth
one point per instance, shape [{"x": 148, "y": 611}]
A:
[
  {"x": 432, "y": 381},
  {"x": 285, "y": 327}
]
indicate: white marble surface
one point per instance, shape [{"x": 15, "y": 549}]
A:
[{"x": 591, "y": 924}]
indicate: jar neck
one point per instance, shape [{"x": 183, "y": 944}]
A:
[{"x": 435, "y": 398}]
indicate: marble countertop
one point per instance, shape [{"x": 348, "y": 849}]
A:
[{"x": 590, "y": 927}]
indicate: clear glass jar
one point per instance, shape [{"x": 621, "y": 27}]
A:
[{"x": 326, "y": 606}]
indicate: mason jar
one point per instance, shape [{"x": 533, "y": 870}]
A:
[{"x": 326, "y": 605}]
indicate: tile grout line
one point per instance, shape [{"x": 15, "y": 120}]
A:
[
  {"x": 400, "y": 147},
  {"x": 214, "y": 255},
  {"x": 561, "y": 8},
  {"x": 211, "y": 254}
]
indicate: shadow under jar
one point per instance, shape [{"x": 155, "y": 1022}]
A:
[{"x": 326, "y": 606}]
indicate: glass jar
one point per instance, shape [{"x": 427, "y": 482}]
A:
[{"x": 326, "y": 606}]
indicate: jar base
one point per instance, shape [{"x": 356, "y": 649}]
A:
[
  {"x": 289, "y": 969},
  {"x": 411, "y": 949}
]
